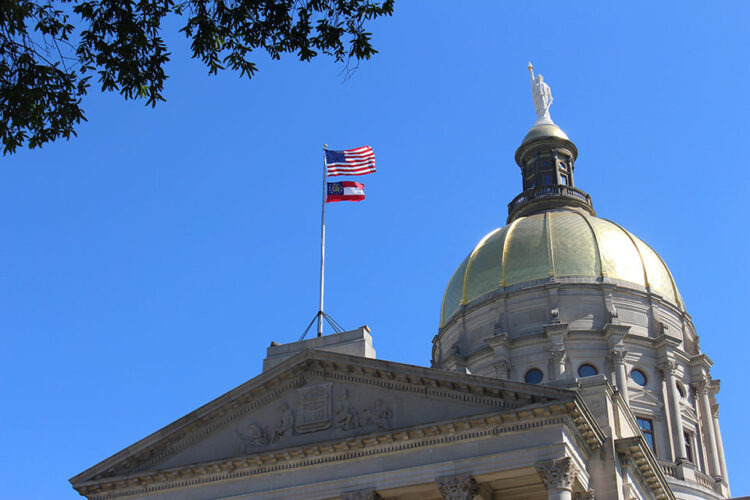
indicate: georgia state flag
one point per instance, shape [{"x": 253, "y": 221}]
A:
[{"x": 345, "y": 191}]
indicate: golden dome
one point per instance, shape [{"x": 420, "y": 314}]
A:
[{"x": 556, "y": 244}]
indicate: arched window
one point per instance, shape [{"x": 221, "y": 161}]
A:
[
  {"x": 587, "y": 370},
  {"x": 534, "y": 376}
]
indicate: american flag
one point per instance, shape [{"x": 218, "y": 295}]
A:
[{"x": 357, "y": 161}]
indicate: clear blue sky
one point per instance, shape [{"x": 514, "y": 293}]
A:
[{"x": 146, "y": 265}]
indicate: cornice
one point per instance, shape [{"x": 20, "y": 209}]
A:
[
  {"x": 571, "y": 413},
  {"x": 295, "y": 372},
  {"x": 635, "y": 449},
  {"x": 566, "y": 282}
]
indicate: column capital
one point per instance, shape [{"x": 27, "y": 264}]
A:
[
  {"x": 668, "y": 367},
  {"x": 460, "y": 487},
  {"x": 589, "y": 495},
  {"x": 702, "y": 386},
  {"x": 559, "y": 473},
  {"x": 618, "y": 356},
  {"x": 558, "y": 354},
  {"x": 366, "y": 494}
]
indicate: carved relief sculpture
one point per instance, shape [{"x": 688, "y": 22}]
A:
[
  {"x": 313, "y": 408},
  {"x": 286, "y": 422},
  {"x": 379, "y": 415},
  {"x": 347, "y": 417}
]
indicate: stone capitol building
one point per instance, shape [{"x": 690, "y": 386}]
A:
[{"x": 565, "y": 366}]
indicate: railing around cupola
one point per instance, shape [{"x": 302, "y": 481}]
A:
[{"x": 544, "y": 191}]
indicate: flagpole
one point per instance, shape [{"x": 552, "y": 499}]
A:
[{"x": 323, "y": 242}]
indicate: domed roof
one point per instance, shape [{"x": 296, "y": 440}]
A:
[{"x": 561, "y": 243}]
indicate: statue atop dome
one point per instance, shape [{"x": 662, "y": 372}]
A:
[{"x": 542, "y": 97}]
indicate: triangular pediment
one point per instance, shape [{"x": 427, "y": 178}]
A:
[
  {"x": 639, "y": 397},
  {"x": 320, "y": 400}
]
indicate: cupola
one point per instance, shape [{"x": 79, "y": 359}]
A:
[{"x": 547, "y": 160}]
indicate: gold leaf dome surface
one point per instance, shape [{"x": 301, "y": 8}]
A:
[{"x": 556, "y": 244}]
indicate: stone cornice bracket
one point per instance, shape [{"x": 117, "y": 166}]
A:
[
  {"x": 589, "y": 495},
  {"x": 499, "y": 343},
  {"x": 366, "y": 494},
  {"x": 664, "y": 344},
  {"x": 701, "y": 362},
  {"x": 460, "y": 487},
  {"x": 609, "y": 304},
  {"x": 555, "y": 331},
  {"x": 553, "y": 301},
  {"x": 615, "y": 334},
  {"x": 559, "y": 473}
]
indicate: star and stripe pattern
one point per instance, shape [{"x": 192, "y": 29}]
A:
[{"x": 357, "y": 161}]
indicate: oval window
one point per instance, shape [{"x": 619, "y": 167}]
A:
[
  {"x": 681, "y": 389},
  {"x": 534, "y": 376},
  {"x": 638, "y": 377},
  {"x": 587, "y": 370}
]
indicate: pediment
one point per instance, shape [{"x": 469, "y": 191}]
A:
[
  {"x": 318, "y": 400},
  {"x": 639, "y": 397}
]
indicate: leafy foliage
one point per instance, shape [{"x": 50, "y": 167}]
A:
[{"x": 44, "y": 72}]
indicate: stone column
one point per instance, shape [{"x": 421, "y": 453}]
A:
[
  {"x": 461, "y": 487},
  {"x": 558, "y": 476},
  {"x": 668, "y": 368},
  {"x": 556, "y": 334},
  {"x": 615, "y": 335},
  {"x": 621, "y": 373},
  {"x": 702, "y": 389},
  {"x": 558, "y": 355},
  {"x": 719, "y": 444}
]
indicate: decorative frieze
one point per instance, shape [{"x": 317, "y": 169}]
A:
[
  {"x": 460, "y": 487},
  {"x": 379, "y": 415}
]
